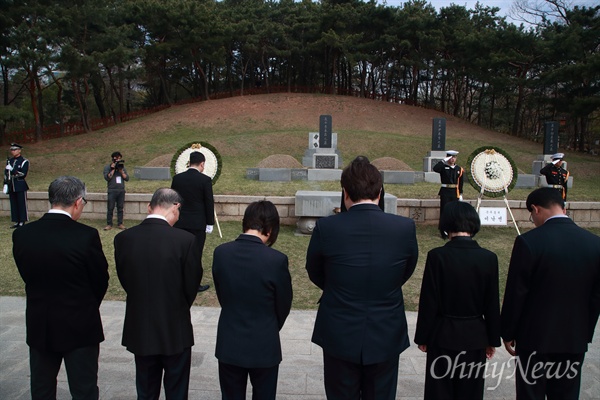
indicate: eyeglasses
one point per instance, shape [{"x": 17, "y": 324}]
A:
[
  {"x": 84, "y": 201},
  {"x": 530, "y": 217}
]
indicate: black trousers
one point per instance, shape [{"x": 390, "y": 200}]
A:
[
  {"x": 447, "y": 195},
  {"x": 452, "y": 374},
  {"x": 149, "y": 373},
  {"x": 115, "y": 197},
  {"x": 548, "y": 376},
  {"x": 82, "y": 372},
  {"x": 200, "y": 235},
  {"x": 233, "y": 381},
  {"x": 18, "y": 207},
  {"x": 345, "y": 380}
]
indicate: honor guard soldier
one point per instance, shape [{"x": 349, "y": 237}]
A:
[
  {"x": 451, "y": 176},
  {"x": 16, "y": 187},
  {"x": 556, "y": 176}
]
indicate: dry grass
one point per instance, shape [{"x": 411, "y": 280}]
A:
[
  {"x": 272, "y": 129},
  {"x": 249, "y": 130}
]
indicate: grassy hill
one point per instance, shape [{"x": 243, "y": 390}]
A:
[{"x": 245, "y": 130}]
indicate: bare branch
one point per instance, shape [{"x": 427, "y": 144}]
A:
[{"x": 540, "y": 12}]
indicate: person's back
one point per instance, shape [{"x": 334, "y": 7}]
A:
[
  {"x": 360, "y": 259},
  {"x": 152, "y": 272},
  {"x": 552, "y": 299},
  {"x": 159, "y": 268},
  {"x": 565, "y": 262},
  {"x": 368, "y": 256},
  {"x": 254, "y": 288},
  {"x": 65, "y": 281},
  {"x": 66, "y": 276},
  {"x": 197, "y": 209},
  {"x": 464, "y": 272},
  {"x": 197, "y": 212}
]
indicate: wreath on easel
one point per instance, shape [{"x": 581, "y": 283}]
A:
[
  {"x": 493, "y": 172},
  {"x": 212, "y": 166}
]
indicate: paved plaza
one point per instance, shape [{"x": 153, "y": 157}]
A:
[{"x": 300, "y": 374}]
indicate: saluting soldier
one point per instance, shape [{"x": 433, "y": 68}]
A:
[
  {"x": 556, "y": 176},
  {"x": 451, "y": 176},
  {"x": 14, "y": 177}
]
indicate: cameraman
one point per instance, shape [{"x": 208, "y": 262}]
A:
[{"x": 116, "y": 176}]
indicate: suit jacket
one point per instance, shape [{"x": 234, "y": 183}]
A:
[
  {"x": 254, "y": 288},
  {"x": 459, "y": 306},
  {"x": 66, "y": 276},
  {"x": 198, "y": 208},
  {"x": 552, "y": 297},
  {"x": 361, "y": 259},
  {"x": 159, "y": 268}
]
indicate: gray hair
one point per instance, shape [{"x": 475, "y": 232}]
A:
[
  {"x": 164, "y": 198},
  {"x": 65, "y": 190}
]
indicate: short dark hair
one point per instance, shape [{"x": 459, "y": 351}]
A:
[
  {"x": 459, "y": 216},
  {"x": 263, "y": 216},
  {"x": 164, "y": 198},
  {"x": 545, "y": 197},
  {"x": 196, "y": 158},
  {"x": 65, "y": 190},
  {"x": 361, "y": 180},
  {"x": 116, "y": 154}
]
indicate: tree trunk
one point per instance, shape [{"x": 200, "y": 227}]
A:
[
  {"x": 31, "y": 73},
  {"x": 77, "y": 94}
]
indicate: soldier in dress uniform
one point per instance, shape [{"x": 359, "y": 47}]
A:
[
  {"x": 556, "y": 176},
  {"x": 14, "y": 177},
  {"x": 451, "y": 176}
]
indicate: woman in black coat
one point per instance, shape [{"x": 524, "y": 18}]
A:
[
  {"x": 458, "y": 324},
  {"x": 254, "y": 289}
]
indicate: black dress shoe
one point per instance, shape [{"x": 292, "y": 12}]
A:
[{"x": 202, "y": 288}]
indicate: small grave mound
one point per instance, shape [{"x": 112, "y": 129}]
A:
[
  {"x": 160, "y": 161},
  {"x": 390, "y": 164},
  {"x": 280, "y": 161}
]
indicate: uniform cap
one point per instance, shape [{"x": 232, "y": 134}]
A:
[
  {"x": 558, "y": 156},
  {"x": 452, "y": 153},
  {"x": 15, "y": 146}
]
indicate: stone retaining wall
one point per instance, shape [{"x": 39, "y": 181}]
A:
[{"x": 231, "y": 208}]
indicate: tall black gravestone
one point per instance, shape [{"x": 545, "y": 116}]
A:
[
  {"x": 550, "y": 137},
  {"x": 325, "y": 131},
  {"x": 438, "y": 134}
]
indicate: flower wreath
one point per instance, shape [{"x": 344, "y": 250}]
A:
[
  {"x": 492, "y": 170},
  {"x": 212, "y": 166}
]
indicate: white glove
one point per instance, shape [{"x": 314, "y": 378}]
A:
[
  {"x": 9, "y": 167},
  {"x": 209, "y": 228},
  {"x": 555, "y": 162},
  {"x": 447, "y": 159},
  {"x": 460, "y": 198}
]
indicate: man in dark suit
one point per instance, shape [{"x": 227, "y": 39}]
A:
[
  {"x": 552, "y": 300},
  {"x": 361, "y": 259},
  {"x": 66, "y": 276},
  {"x": 254, "y": 288},
  {"x": 157, "y": 266},
  {"x": 15, "y": 173},
  {"x": 198, "y": 207}
]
